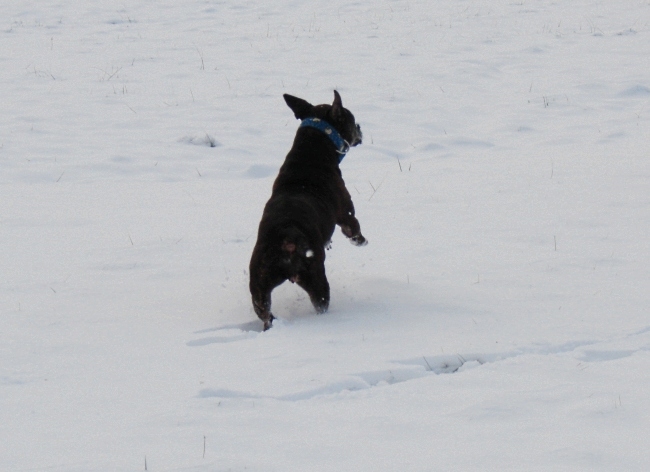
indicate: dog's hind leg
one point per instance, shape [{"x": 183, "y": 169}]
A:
[
  {"x": 263, "y": 310},
  {"x": 261, "y": 294},
  {"x": 315, "y": 283}
]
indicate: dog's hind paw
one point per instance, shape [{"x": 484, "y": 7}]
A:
[
  {"x": 268, "y": 322},
  {"x": 321, "y": 305}
]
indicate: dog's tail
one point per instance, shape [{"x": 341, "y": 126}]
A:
[
  {"x": 294, "y": 242},
  {"x": 296, "y": 254}
]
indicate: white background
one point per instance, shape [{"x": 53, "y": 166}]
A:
[{"x": 498, "y": 320}]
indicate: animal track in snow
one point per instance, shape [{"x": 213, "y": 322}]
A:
[
  {"x": 206, "y": 140},
  {"x": 416, "y": 368},
  {"x": 603, "y": 356}
]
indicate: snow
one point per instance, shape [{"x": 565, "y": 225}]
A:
[{"x": 497, "y": 320}]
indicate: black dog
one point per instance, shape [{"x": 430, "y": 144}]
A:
[{"x": 309, "y": 199}]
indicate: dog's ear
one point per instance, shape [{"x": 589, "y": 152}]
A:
[
  {"x": 301, "y": 108},
  {"x": 337, "y": 105}
]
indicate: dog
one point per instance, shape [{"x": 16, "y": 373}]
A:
[{"x": 308, "y": 200}]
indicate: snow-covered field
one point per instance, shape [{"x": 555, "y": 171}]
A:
[{"x": 498, "y": 320}]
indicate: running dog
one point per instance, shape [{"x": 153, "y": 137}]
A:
[{"x": 309, "y": 199}]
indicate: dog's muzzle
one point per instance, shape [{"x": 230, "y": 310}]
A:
[{"x": 358, "y": 137}]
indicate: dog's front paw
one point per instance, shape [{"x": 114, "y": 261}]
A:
[{"x": 358, "y": 240}]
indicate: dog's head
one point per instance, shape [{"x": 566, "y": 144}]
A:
[{"x": 335, "y": 114}]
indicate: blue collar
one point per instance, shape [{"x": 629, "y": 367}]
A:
[{"x": 328, "y": 130}]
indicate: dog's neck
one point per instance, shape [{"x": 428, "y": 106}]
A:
[{"x": 328, "y": 130}]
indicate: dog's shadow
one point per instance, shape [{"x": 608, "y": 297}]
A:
[
  {"x": 248, "y": 327},
  {"x": 227, "y": 333}
]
